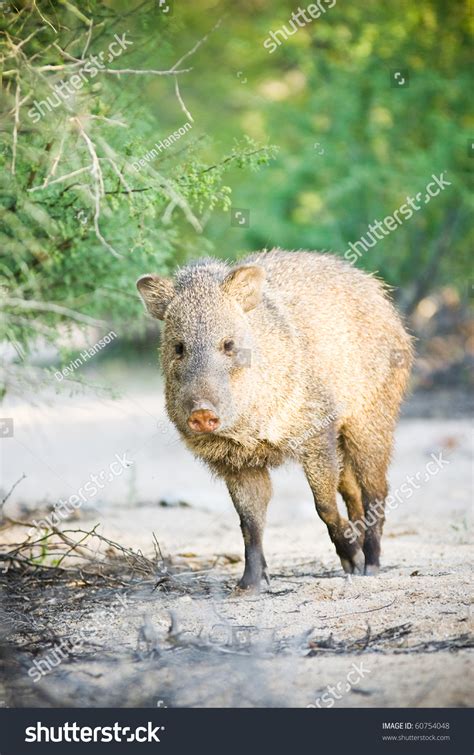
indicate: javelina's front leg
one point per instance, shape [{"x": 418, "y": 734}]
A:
[{"x": 250, "y": 490}]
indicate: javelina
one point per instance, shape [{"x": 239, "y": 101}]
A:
[{"x": 286, "y": 355}]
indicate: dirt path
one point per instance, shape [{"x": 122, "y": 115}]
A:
[{"x": 409, "y": 627}]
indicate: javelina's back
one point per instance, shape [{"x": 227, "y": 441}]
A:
[{"x": 351, "y": 335}]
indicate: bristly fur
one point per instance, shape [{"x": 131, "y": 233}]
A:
[{"x": 329, "y": 368}]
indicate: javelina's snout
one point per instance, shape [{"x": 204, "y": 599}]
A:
[{"x": 203, "y": 418}]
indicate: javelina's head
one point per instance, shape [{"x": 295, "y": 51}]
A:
[{"x": 207, "y": 343}]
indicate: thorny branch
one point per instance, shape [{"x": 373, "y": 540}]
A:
[
  {"x": 7, "y": 496},
  {"x": 41, "y": 306},
  {"x": 96, "y": 186},
  {"x": 16, "y": 123}
]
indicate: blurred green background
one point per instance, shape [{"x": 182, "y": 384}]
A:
[{"x": 316, "y": 139}]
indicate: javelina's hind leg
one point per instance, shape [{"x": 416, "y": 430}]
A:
[
  {"x": 250, "y": 490},
  {"x": 349, "y": 488},
  {"x": 370, "y": 457},
  {"x": 322, "y": 472},
  {"x": 373, "y": 497}
]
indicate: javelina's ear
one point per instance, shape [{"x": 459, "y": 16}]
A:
[
  {"x": 156, "y": 292},
  {"x": 245, "y": 284}
]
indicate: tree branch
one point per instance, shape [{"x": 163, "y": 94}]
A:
[{"x": 42, "y": 306}]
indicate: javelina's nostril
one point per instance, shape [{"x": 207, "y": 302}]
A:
[{"x": 203, "y": 421}]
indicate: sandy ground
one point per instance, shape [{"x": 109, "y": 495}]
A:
[{"x": 291, "y": 645}]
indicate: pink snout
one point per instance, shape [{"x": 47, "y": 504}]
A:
[{"x": 203, "y": 420}]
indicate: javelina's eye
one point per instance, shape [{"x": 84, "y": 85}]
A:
[
  {"x": 229, "y": 346},
  {"x": 179, "y": 349}
]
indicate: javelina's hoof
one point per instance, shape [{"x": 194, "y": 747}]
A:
[
  {"x": 244, "y": 591},
  {"x": 250, "y": 586},
  {"x": 354, "y": 565},
  {"x": 371, "y": 570}
]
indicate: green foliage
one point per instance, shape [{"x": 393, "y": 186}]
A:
[
  {"x": 80, "y": 217},
  {"x": 350, "y": 145}
]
